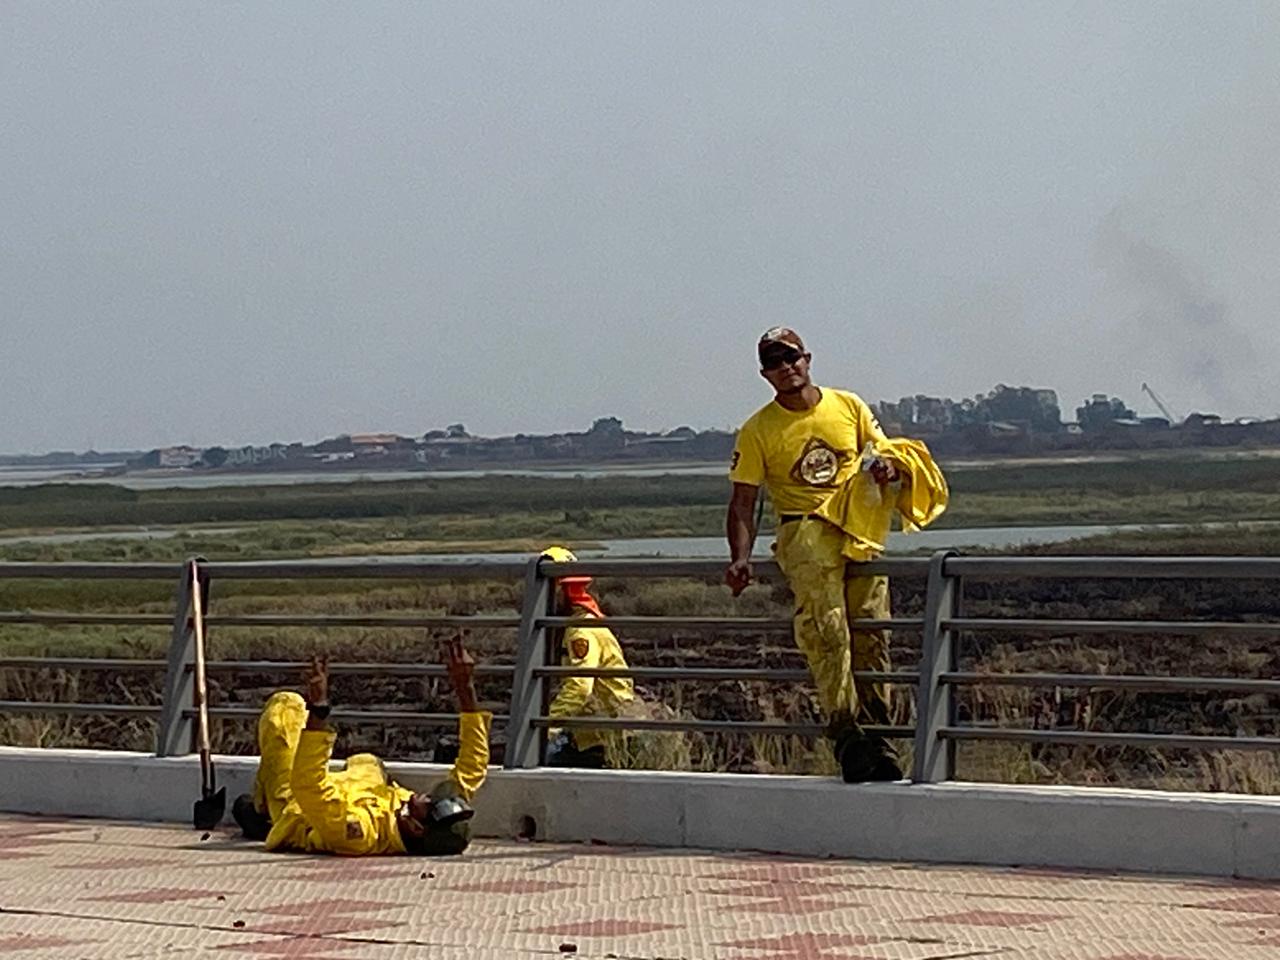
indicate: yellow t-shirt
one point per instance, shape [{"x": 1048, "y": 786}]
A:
[{"x": 803, "y": 456}]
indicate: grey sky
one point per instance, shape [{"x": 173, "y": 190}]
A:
[{"x": 256, "y": 222}]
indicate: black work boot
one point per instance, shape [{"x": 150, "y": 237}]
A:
[
  {"x": 254, "y": 824},
  {"x": 884, "y": 760},
  {"x": 852, "y": 749},
  {"x": 569, "y": 755}
]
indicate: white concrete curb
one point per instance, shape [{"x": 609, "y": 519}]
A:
[{"x": 1091, "y": 828}]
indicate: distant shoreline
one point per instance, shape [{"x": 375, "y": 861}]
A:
[{"x": 348, "y": 472}]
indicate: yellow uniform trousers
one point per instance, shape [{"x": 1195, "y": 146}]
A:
[{"x": 811, "y": 555}]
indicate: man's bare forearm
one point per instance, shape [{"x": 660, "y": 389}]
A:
[{"x": 740, "y": 532}]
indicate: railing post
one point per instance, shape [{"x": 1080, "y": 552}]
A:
[
  {"x": 935, "y": 758},
  {"x": 176, "y": 733},
  {"x": 526, "y": 745}
]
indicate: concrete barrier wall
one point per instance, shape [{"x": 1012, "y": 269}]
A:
[{"x": 1093, "y": 828}]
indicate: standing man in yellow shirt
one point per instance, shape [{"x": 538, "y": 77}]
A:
[
  {"x": 804, "y": 446},
  {"x": 590, "y": 647},
  {"x": 299, "y": 804}
]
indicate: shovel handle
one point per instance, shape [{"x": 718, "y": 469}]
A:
[{"x": 202, "y": 690}]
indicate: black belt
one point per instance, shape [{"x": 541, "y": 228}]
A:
[{"x": 792, "y": 517}]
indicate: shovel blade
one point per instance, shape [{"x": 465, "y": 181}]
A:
[{"x": 209, "y": 810}]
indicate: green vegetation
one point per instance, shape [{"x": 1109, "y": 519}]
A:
[
  {"x": 1181, "y": 489},
  {"x": 521, "y": 514}
]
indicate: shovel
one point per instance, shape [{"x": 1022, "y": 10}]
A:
[{"x": 213, "y": 802}]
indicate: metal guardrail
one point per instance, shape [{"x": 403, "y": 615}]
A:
[{"x": 935, "y": 734}]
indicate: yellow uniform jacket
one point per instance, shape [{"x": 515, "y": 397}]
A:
[
  {"x": 591, "y": 647},
  {"x": 353, "y": 811}
]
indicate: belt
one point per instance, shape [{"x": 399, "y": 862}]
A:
[{"x": 792, "y": 517}]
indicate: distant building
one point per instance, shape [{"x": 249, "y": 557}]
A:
[
  {"x": 377, "y": 439},
  {"x": 178, "y": 456},
  {"x": 248, "y": 456}
]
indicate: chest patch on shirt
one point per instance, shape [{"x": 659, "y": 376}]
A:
[
  {"x": 354, "y": 830},
  {"x": 579, "y": 647},
  {"x": 818, "y": 463}
]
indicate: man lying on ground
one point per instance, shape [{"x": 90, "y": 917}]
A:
[{"x": 299, "y": 804}]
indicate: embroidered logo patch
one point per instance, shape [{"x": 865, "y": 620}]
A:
[
  {"x": 579, "y": 647},
  {"x": 818, "y": 464},
  {"x": 354, "y": 830}
]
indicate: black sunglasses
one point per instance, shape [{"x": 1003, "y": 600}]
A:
[{"x": 780, "y": 358}]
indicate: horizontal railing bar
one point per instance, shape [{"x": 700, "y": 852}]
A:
[
  {"x": 91, "y": 571},
  {"x": 78, "y": 663},
  {"x": 671, "y": 567},
  {"x": 104, "y": 619},
  {"x": 363, "y": 669},
  {"x": 749, "y": 624},
  {"x": 1087, "y": 738},
  {"x": 1043, "y": 625},
  {"x": 409, "y": 717},
  {"x": 1101, "y": 567},
  {"x": 320, "y": 568},
  {"x": 478, "y": 621},
  {"x": 709, "y": 726},
  {"x": 1114, "y": 682},
  {"x": 715, "y": 673},
  {"x": 1141, "y": 568},
  {"x": 80, "y": 709},
  {"x": 368, "y": 570},
  {"x": 250, "y": 666}
]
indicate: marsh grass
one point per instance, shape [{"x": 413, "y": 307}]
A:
[{"x": 506, "y": 514}]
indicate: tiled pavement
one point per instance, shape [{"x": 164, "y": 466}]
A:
[{"x": 98, "y": 889}]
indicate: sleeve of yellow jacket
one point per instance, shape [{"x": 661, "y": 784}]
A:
[
  {"x": 342, "y": 827},
  {"x": 469, "y": 769},
  {"x": 582, "y": 649},
  {"x": 924, "y": 493},
  {"x": 863, "y": 509}
]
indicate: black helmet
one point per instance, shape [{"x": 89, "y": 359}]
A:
[{"x": 448, "y": 826}]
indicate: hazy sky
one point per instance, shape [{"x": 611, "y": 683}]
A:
[{"x": 273, "y": 221}]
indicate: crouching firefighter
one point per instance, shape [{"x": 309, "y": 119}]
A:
[
  {"x": 299, "y": 804},
  {"x": 592, "y": 648}
]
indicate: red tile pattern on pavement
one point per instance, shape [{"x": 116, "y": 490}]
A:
[
  {"x": 27, "y": 841},
  {"x": 512, "y": 886},
  {"x": 804, "y": 946},
  {"x": 292, "y": 949},
  {"x": 602, "y": 928},
  {"x": 338, "y": 905},
  {"x": 158, "y": 895},
  {"x": 23, "y": 942},
  {"x": 1266, "y": 901},
  {"x": 114, "y": 863},
  {"x": 106, "y": 891},
  {"x": 323, "y": 917},
  {"x": 320, "y": 926},
  {"x": 994, "y": 918}
]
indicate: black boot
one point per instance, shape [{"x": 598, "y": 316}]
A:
[
  {"x": 884, "y": 762},
  {"x": 852, "y": 749},
  {"x": 254, "y": 824},
  {"x": 567, "y": 754}
]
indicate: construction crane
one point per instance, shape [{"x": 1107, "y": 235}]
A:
[{"x": 1160, "y": 403}]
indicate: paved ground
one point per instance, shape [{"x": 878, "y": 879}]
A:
[{"x": 97, "y": 889}]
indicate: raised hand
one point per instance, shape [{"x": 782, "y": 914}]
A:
[
  {"x": 462, "y": 669},
  {"x": 315, "y": 679}
]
